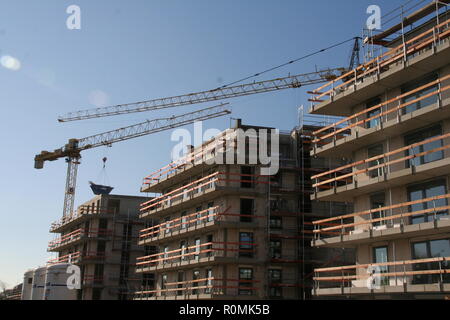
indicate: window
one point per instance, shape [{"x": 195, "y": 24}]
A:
[
  {"x": 102, "y": 224},
  {"x": 419, "y": 136},
  {"x": 101, "y": 246},
  {"x": 275, "y": 278},
  {"x": 183, "y": 220},
  {"x": 183, "y": 250},
  {"x": 275, "y": 249},
  {"x": 246, "y": 244},
  {"x": 197, "y": 248},
  {"x": 98, "y": 273},
  {"x": 375, "y": 121},
  {"x": 424, "y": 191},
  {"x": 374, "y": 151},
  {"x": 245, "y": 281},
  {"x": 209, "y": 239},
  {"x": 208, "y": 281},
  {"x": 180, "y": 285},
  {"x": 195, "y": 276},
  {"x": 431, "y": 249},
  {"x": 377, "y": 200},
  {"x": 380, "y": 255},
  {"x": 113, "y": 205},
  {"x": 247, "y": 177},
  {"x": 163, "y": 284},
  {"x": 416, "y": 84},
  {"x": 247, "y": 208},
  {"x": 166, "y": 255},
  {"x": 210, "y": 212},
  {"x": 199, "y": 215},
  {"x": 148, "y": 281},
  {"x": 276, "y": 223},
  {"x": 167, "y": 225},
  {"x": 285, "y": 151}
]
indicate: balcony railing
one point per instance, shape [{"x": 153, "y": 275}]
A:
[
  {"x": 77, "y": 235},
  {"x": 382, "y": 63},
  {"x": 377, "y": 275},
  {"x": 376, "y": 166},
  {"x": 211, "y": 286},
  {"x": 80, "y": 212},
  {"x": 198, "y": 220},
  {"x": 190, "y": 190},
  {"x": 194, "y": 254},
  {"x": 388, "y": 216},
  {"x": 176, "y": 166},
  {"x": 359, "y": 121},
  {"x": 77, "y": 257}
]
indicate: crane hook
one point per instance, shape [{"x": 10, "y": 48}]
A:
[{"x": 104, "y": 161}]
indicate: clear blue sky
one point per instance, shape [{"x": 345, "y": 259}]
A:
[{"x": 135, "y": 50}]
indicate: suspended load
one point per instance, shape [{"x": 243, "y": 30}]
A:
[{"x": 100, "y": 189}]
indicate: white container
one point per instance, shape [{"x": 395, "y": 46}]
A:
[
  {"x": 27, "y": 284},
  {"x": 56, "y": 283},
  {"x": 37, "y": 292}
]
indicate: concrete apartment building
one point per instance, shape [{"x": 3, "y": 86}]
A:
[
  {"x": 101, "y": 238},
  {"x": 395, "y": 134},
  {"x": 226, "y": 231}
]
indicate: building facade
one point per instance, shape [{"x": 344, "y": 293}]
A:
[
  {"x": 395, "y": 136},
  {"x": 101, "y": 238},
  {"x": 227, "y": 231}
]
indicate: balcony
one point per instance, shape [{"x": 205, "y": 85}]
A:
[
  {"x": 420, "y": 55},
  {"x": 204, "y": 189},
  {"x": 392, "y": 118},
  {"x": 81, "y": 214},
  {"x": 207, "y": 288},
  {"x": 206, "y": 253},
  {"x": 204, "y": 220},
  {"x": 409, "y": 276},
  {"x": 384, "y": 223},
  {"x": 189, "y": 165},
  {"x": 392, "y": 168},
  {"x": 75, "y": 236},
  {"x": 79, "y": 257}
]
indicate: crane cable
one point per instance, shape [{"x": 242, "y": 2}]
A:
[{"x": 287, "y": 63}]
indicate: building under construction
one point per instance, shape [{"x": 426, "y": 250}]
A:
[
  {"x": 227, "y": 231},
  {"x": 101, "y": 238},
  {"x": 396, "y": 133}
]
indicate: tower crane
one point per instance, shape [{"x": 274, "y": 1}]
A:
[
  {"x": 226, "y": 92},
  {"x": 72, "y": 150}
]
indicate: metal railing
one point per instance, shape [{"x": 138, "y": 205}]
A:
[
  {"x": 379, "y": 165},
  {"x": 381, "y": 64},
  {"x": 397, "y": 273}
]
